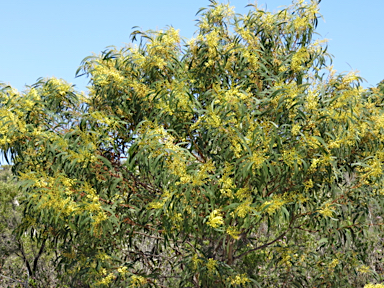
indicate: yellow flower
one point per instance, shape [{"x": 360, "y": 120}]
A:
[
  {"x": 106, "y": 280},
  {"x": 215, "y": 219},
  {"x": 374, "y": 285},
  {"x": 326, "y": 210},
  {"x": 273, "y": 205},
  {"x": 196, "y": 262},
  {"x": 240, "y": 279},
  {"x": 122, "y": 270},
  {"x": 100, "y": 217},
  {"x": 243, "y": 209},
  {"x": 258, "y": 159},
  {"x": 233, "y": 232},
  {"x": 211, "y": 265},
  {"x": 300, "y": 23},
  {"x": 243, "y": 193},
  {"x": 137, "y": 281},
  {"x": 308, "y": 184},
  {"x": 295, "y": 129},
  {"x": 334, "y": 263},
  {"x": 155, "y": 205},
  {"x": 298, "y": 59},
  {"x": 350, "y": 77},
  {"x": 103, "y": 256},
  {"x": 363, "y": 269},
  {"x": 160, "y": 204}
]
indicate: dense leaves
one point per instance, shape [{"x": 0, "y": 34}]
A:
[{"x": 238, "y": 158}]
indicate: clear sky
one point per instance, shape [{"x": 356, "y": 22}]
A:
[{"x": 44, "y": 38}]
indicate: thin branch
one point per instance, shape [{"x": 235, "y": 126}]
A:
[
  {"x": 149, "y": 236},
  {"x": 270, "y": 243},
  {"x": 261, "y": 247},
  {"x": 41, "y": 250},
  {"x": 25, "y": 258},
  {"x": 151, "y": 255},
  {"x": 158, "y": 237},
  {"x": 14, "y": 280}
]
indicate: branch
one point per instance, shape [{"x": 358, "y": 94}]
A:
[
  {"x": 25, "y": 258},
  {"x": 306, "y": 230},
  {"x": 270, "y": 243},
  {"x": 262, "y": 246},
  {"x": 157, "y": 237},
  {"x": 41, "y": 250},
  {"x": 152, "y": 255},
  {"x": 14, "y": 280}
]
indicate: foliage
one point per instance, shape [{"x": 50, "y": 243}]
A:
[
  {"x": 23, "y": 261},
  {"x": 8, "y": 193},
  {"x": 232, "y": 160}
]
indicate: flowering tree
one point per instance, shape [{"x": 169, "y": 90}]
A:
[{"x": 227, "y": 161}]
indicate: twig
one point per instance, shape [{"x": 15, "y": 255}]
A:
[
  {"x": 15, "y": 280},
  {"x": 262, "y": 246}
]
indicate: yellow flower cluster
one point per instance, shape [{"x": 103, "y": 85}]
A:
[
  {"x": 163, "y": 42},
  {"x": 374, "y": 170},
  {"x": 60, "y": 85},
  {"x": 268, "y": 20},
  {"x": 273, "y": 205},
  {"x": 370, "y": 285},
  {"x": 103, "y": 75},
  {"x": 160, "y": 204},
  {"x": 223, "y": 10},
  {"x": 308, "y": 184},
  {"x": 211, "y": 39},
  {"x": 240, "y": 279},
  {"x": 227, "y": 182},
  {"x": 258, "y": 158},
  {"x": 333, "y": 264},
  {"x": 106, "y": 280},
  {"x": 53, "y": 192},
  {"x": 298, "y": 59},
  {"x": 363, "y": 269},
  {"x": 122, "y": 270},
  {"x": 137, "y": 281},
  {"x": 211, "y": 265},
  {"x": 326, "y": 210},
  {"x": 244, "y": 208},
  {"x": 10, "y": 122},
  {"x": 248, "y": 36},
  {"x": 233, "y": 232},
  {"x": 137, "y": 57},
  {"x": 286, "y": 259},
  {"x": 252, "y": 58},
  {"x": 103, "y": 256},
  {"x": 243, "y": 193},
  {"x": 99, "y": 217},
  {"x": 215, "y": 219},
  {"x": 350, "y": 77},
  {"x": 295, "y": 129},
  {"x": 203, "y": 173},
  {"x": 300, "y": 23},
  {"x": 291, "y": 157},
  {"x": 196, "y": 261}
]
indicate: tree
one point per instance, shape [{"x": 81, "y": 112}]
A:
[{"x": 232, "y": 160}]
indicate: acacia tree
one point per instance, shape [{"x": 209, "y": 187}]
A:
[{"x": 230, "y": 160}]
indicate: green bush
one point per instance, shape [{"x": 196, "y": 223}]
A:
[{"x": 229, "y": 160}]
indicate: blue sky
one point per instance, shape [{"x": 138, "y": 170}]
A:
[{"x": 50, "y": 38}]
